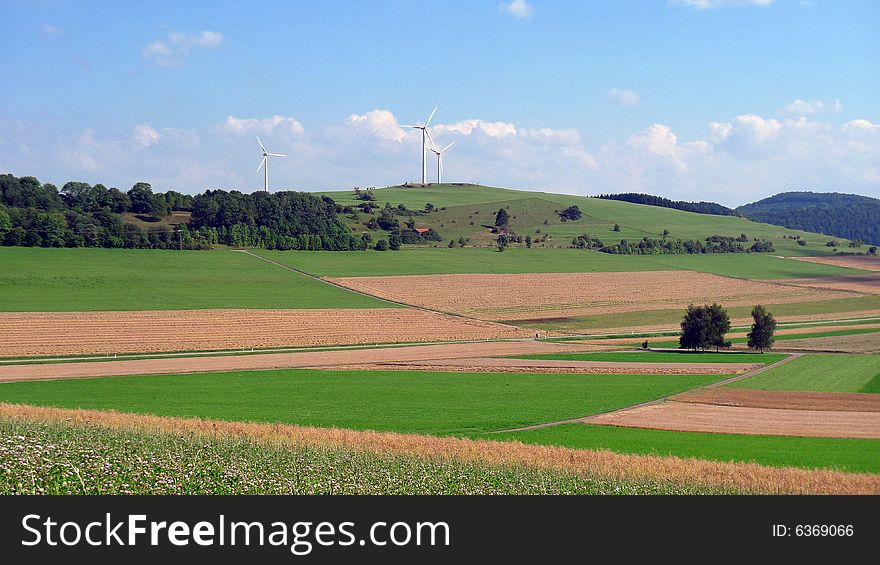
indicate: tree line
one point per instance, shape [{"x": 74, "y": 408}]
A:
[
  {"x": 80, "y": 215},
  {"x": 649, "y": 200},
  {"x": 651, "y": 246},
  {"x": 704, "y": 327}
]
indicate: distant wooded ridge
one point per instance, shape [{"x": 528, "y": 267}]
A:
[
  {"x": 849, "y": 216},
  {"x": 659, "y": 201}
]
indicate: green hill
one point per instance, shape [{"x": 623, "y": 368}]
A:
[
  {"x": 843, "y": 215},
  {"x": 463, "y": 210}
]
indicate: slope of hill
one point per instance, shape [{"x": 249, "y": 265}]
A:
[
  {"x": 843, "y": 215},
  {"x": 465, "y": 211}
]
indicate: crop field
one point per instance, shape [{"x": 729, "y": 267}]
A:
[
  {"x": 89, "y": 279},
  {"x": 438, "y": 261},
  {"x": 851, "y": 343},
  {"x": 58, "y": 458},
  {"x": 43, "y": 333},
  {"x": 855, "y": 455},
  {"x": 820, "y": 373},
  {"x": 662, "y": 357},
  {"x": 715, "y": 418},
  {"x": 864, "y": 284},
  {"x": 653, "y": 320},
  {"x": 412, "y": 402},
  {"x": 751, "y": 398},
  {"x": 864, "y": 262},
  {"x": 535, "y": 297}
]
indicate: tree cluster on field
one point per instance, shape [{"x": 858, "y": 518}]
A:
[
  {"x": 647, "y": 199},
  {"x": 712, "y": 244},
  {"x": 705, "y": 327},
  {"x": 571, "y": 213}
]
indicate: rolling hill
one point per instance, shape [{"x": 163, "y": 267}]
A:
[
  {"x": 463, "y": 210},
  {"x": 844, "y": 215}
]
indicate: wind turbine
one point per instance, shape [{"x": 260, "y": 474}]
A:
[
  {"x": 439, "y": 154},
  {"x": 425, "y": 135},
  {"x": 265, "y": 163}
]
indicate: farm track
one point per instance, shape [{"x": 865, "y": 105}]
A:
[
  {"x": 749, "y": 477},
  {"x": 313, "y": 359}
]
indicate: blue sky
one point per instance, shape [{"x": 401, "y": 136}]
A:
[{"x": 726, "y": 100}]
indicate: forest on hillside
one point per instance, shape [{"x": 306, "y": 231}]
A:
[
  {"x": 849, "y": 216},
  {"x": 659, "y": 201},
  {"x": 35, "y": 214}
]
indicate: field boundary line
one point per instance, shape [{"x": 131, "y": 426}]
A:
[
  {"x": 361, "y": 293},
  {"x": 716, "y": 384}
]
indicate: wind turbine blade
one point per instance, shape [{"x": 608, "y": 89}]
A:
[
  {"x": 277, "y": 155},
  {"x": 447, "y": 147},
  {"x": 261, "y": 145},
  {"x": 431, "y": 116},
  {"x": 408, "y": 126},
  {"x": 263, "y": 162},
  {"x": 431, "y": 139}
]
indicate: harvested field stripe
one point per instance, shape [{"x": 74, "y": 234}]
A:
[{"x": 745, "y": 476}]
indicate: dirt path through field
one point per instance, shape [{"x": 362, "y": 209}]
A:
[{"x": 317, "y": 359}]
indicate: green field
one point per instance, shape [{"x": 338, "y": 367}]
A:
[
  {"x": 477, "y": 204},
  {"x": 778, "y": 451},
  {"x": 55, "y": 459},
  {"x": 82, "y": 279},
  {"x": 662, "y": 357},
  {"x": 820, "y": 373},
  {"x": 435, "y": 261},
  {"x": 403, "y": 401}
]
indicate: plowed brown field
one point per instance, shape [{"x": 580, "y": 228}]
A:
[
  {"x": 864, "y": 284},
  {"x": 840, "y": 401},
  {"x": 318, "y": 359},
  {"x": 547, "y": 295},
  {"x": 71, "y": 333},
  {"x": 852, "y": 261},
  {"x": 859, "y": 343},
  {"x": 687, "y": 417}
]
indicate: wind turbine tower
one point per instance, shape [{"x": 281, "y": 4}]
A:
[
  {"x": 264, "y": 164},
  {"x": 439, "y": 154},
  {"x": 425, "y": 135}
]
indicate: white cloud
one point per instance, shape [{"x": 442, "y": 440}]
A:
[
  {"x": 265, "y": 126},
  {"x": 805, "y": 107},
  {"x": 738, "y": 159},
  {"x": 49, "y": 29},
  {"x": 380, "y": 123},
  {"x": 516, "y": 8},
  {"x": 144, "y": 135},
  {"x": 472, "y": 126},
  {"x": 708, "y": 4},
  {"x": 625, "y": 96},
  {"x": 176, "y": 45}
]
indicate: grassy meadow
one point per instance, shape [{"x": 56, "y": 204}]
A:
[
  {"x": 87, "y": 279},
  {"x": 403, "y": 401},
  {"x": 856, "y": 455},
  {"x": 820, "y": 373},
  {"x": 435, "y": 261}
]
